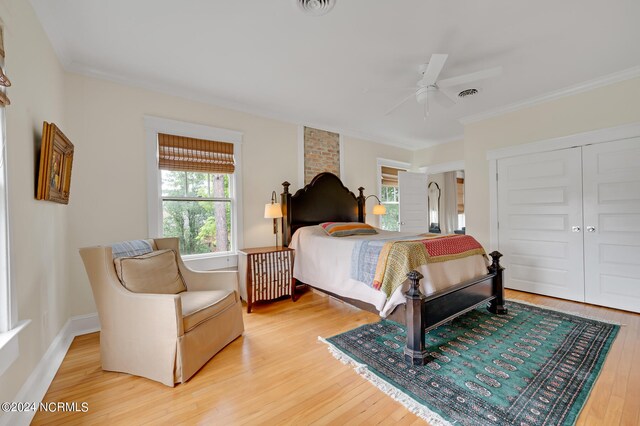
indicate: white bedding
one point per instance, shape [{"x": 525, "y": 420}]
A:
[{"x": 325, "y": 262}]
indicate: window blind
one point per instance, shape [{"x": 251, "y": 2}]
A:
[
  {"x": 179, "y": 153},
  {"x": 460, "y": 194},
  {"x": 390, "y": 175}
]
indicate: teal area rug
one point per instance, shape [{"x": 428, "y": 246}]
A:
[{"x": 534, "y": 366}]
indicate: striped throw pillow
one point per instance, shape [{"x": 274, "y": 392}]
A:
[{"x": 344, "y": 229}]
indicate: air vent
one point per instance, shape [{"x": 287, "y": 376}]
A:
[
  {"x": 467, "y": 92},
  {"x": 316, "y": 7}
]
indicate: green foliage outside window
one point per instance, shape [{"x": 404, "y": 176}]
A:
[
  {"x": 389, "y": 197},
  {"x": 201, "y": 226},
  {"x": 390, "y": 220},
  {"x": 389, "y": 194}
]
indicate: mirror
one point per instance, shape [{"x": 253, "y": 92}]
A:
[
  {"x": 433, "y": 203},
  {"x": 446, "y": 202}
]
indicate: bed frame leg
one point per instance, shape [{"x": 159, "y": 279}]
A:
[
  {"x": 414, "y": 352},
  {"x": 496, "y": 306}
]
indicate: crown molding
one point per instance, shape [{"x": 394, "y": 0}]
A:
[
  {"x": 607, "y": 134},
  {"x": 192, "y": 95},
  {"x": 557, "y": 94},
  {"x": 443, "y": 167},
  {"x": 455, "y": 138}
]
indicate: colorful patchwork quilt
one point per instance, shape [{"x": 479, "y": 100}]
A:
[{"x": 384, "y": 264}]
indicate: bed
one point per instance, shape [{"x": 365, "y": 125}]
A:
[{"x": 453, "y": 285}]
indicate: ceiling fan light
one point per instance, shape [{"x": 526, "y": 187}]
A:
[
  {"x": 316, "y": 7},
  {"x": 421, "y": 95}
]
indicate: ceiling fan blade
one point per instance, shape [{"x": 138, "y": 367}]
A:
[
  {"x": 386, "y": 89},
  {"x": 436, "y": 63},
  {"x": 399, "y": 103},
  {"x": 443, "y": 99},
  {"x": 467, "y": 78}
]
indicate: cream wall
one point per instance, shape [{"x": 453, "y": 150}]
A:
[
  {"x": 439, "y": 154},
  {"x": 109, "y": 195},
  {"x": 38, "y": 229}
]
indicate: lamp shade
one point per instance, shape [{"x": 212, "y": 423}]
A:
[
  {"x": 272, "y": 211},
  {"x": 379, "y": 209}
]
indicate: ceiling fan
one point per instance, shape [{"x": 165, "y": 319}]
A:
[{"x": 429, "y": 87}]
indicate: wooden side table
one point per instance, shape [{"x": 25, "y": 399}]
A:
[{"x": 266, "y": 273}]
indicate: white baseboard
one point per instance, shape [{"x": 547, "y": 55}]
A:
[{"x": 36, "y": 386}]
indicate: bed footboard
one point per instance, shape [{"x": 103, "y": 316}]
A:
[{"x": 427, "y": 312}]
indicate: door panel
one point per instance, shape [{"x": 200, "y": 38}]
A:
[
  {"x": 412, "y": 202},
  {"x": 539, "y": 202},
  {"x": 612, "y": 208}
]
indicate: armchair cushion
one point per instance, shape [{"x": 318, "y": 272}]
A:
[
  {"x": 199, "y": 306},
  {"x": 155, "y": 272}
]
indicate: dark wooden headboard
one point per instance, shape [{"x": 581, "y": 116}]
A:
[{"x": 325, "y": 199}]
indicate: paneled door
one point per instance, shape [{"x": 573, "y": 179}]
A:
[
  {"x": 612, "y": 224},
  {"x": 540, "y": 223},
  {"x": 412, "y": 202}
]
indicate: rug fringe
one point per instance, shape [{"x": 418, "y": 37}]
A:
[
  {"x": 411, "y": 404},
  {"x": 575, "y": 314}
]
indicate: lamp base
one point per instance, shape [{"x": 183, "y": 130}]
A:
[{"x": 275, "y": 231}]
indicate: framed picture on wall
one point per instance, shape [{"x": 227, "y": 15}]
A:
[{"x": 56, "y": 159}]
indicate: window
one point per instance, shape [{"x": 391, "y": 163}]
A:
[
  {"x": 196, "y": 208},
  {"x": 389, "y": 197},
  {"x": 389, "y": 193},
  {"x": 194, "y": 190}
]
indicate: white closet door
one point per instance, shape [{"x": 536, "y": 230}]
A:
[
  {"x": 540, "y": 223},
  {"x": 412, "y": 202},
  {"x": 612, "y": 224}
]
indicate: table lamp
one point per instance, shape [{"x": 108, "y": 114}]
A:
[
  {"x": 378, "y": 209},
  {"x": 273, "y": 211}
]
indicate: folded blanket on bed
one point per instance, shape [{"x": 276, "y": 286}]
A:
[
  {"x": 396, "y": 258},
  {"x": 365, "y": 254}
]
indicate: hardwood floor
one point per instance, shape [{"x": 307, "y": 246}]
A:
[{"x": 279, "y": 373}]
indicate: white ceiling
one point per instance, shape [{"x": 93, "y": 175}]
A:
[{"x": 268, "y": 58}]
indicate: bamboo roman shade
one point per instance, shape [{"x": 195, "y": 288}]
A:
[
  {"x": 184, "y": 154},
  {"x": 390, "y": 175},
  {"x": 460, "y": 194},
  {"x": 4, "y": 80}
]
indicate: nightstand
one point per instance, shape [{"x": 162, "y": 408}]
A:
[{"x": 266, "y": 273}]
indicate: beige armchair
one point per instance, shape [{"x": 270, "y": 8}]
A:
[{"x": 164, "y": 337}]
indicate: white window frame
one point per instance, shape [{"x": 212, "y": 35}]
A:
[
  {"x": 9, "y": 325},
  {"x": 155, "y": 125},
  {"x": 380, "y": 162},
  {"x": 386, "y": 203},
  {"x": 7, "y": 295}
]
